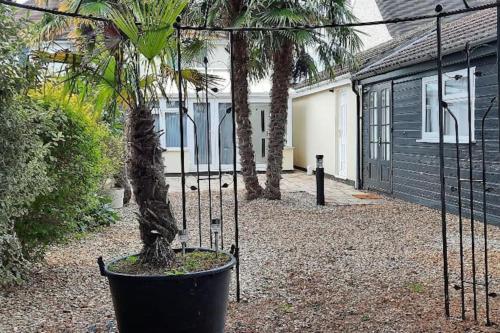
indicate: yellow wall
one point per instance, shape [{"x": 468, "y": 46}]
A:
[{"x": 315, "y": 130}]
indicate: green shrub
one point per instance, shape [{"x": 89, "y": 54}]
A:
[
  {"x": 23, "y": 167},
  {"x": 78, "y": 164}
]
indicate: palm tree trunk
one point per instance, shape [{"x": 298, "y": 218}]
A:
[
  {"x": 282, "y": 75},
  {"x": 242, "y": 109},
  {"x": 124, "y": 174},
  {"x": 156, "y": 223}
]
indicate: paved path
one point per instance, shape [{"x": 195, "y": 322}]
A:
[{"x": 336, "y": 193}]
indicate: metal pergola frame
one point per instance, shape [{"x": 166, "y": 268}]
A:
[{"x": 438, "y": 17}]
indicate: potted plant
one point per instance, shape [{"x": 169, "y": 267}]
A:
[{"x": 159, "y": 289}]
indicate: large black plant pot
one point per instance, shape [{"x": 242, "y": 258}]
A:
[{"x": 189, "y": 303}]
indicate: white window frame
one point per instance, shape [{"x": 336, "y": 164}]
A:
[
  {"x": 161, "y": 118},
  {"x": 161, "y": 112},
  {"x": 433, "y": 137}
]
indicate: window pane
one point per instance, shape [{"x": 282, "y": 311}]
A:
[
  {"x": 203, "y": 127},
  {"x": 172, "y": 130},
  {"x": 226, "y": 133},
  {"x": 373, "y": 110},
  {"x": 460, "y": 110},
  {"x": 431, "y": 108},
  {"x": 172, "y": 104},
  {"x": 457, "y": 85},
  {"x": 373, "y": 150}
]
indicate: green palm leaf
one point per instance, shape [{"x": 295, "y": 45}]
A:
[{"x": 148, "y": 24}]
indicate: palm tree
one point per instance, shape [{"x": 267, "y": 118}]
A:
[
  {"x": 140, "y": 39},
  {"x": 295, "y": 55},
  {"x": 235, "y": 13}
]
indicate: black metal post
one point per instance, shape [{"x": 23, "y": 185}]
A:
[
  {"x": 235, "y": 175},
  {"x": 320, "y": 181},
  {"x": 209, "y": 148},
  {"x": 444, "y": 229},
  {"x": 471, "y": 180},
  {"x": 181, "y": 123},
  {"x": 220, "y": 180},
  {"x": 460, "y": 219},
  {"x": 485, "y": 218}
]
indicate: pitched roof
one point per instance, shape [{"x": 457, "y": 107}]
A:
[
  {"x": 477, "y": 28},
  {"x": 367, "y": 57}
]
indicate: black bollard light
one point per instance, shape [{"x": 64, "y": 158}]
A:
[
  {"x": 216, "y": 229},
  {"x": 320, "y": 181},
  {"x": 183, "y": 238}
]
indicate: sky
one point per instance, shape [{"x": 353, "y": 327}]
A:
[{"x": 365, "y": 11}]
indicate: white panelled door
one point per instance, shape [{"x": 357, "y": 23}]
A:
[{"x": 342, "y": 138}]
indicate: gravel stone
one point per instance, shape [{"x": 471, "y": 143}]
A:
[{"x": 359, "y": 268}]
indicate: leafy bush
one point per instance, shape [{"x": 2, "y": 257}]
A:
[
  {"x": 114, "y": 150},
  {"x": 77, "y": 166},
  {"x": 23, "y": 167}
]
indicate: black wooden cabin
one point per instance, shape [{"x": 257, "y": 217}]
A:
[{"x": 399, "y": 126}]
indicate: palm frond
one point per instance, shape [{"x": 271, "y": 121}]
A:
[{"x": 148, "y": 24}]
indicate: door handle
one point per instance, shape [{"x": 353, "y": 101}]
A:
[{"x": 379, "y": 140}]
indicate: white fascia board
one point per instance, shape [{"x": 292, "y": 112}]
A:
[{"x": 322, "y": 86}]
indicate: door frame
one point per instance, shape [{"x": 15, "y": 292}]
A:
[{"x": 369, "y": 183}]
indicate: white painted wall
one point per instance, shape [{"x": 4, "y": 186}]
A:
[{"x": 315, "y": 128}]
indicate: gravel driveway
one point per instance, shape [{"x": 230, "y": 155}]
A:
[{"x": 364, "y": 268}]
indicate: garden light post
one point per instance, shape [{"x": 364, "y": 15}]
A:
[
  {"x": 215, "y": 227},
  {"x": 183, "y": 238},
  {"x": 320, "y": 181}
]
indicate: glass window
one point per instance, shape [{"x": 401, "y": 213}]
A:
[
  {"x": 226, "y": 133},
  {"x": 373, "y": 108},
  {"x": 456, "y": 96},
  {"x": 203, "y": 127},
  {"x": 173, "y": 130},
  {"x": 431, "y": 107},
  {"x": 385, "y": 126}
]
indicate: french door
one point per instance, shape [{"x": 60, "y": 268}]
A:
[
  {"x": 216, "y": 125},
  {"x": 378, "y": 152}
]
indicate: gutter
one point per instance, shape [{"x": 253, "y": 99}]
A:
[
  {"x": 338, "y": 81},
  {"x": 359, "y": 129}
]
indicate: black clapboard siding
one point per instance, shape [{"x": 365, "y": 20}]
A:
[
  {"x": 492, "y": 218},
  {"x": 415, "y": 164}
]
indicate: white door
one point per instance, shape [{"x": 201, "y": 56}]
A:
[{"x": 342, "y": 137}]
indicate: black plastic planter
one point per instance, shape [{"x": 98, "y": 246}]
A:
[{"x": 189, "y": 303}]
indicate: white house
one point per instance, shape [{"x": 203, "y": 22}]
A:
[
  {"x": 207, "y": 128},
  {"x": 207, "y": 119},
  {"x": 325, "y": 113}
]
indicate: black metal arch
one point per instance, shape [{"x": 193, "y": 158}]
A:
[{"x": 440, "y": 14}]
